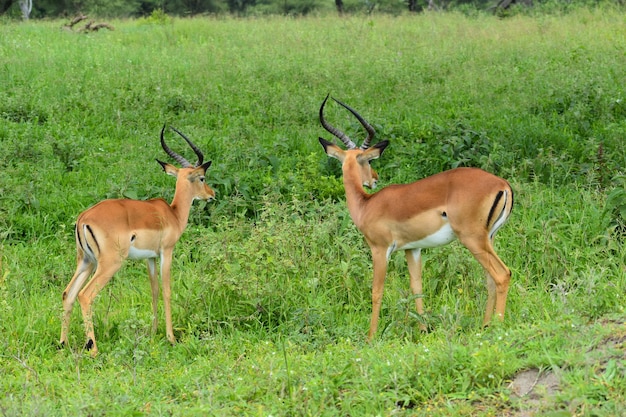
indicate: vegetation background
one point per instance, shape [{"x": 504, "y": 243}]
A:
[
  {"x": 271, "y": 282},
  {"x": 141, "y": 8}
]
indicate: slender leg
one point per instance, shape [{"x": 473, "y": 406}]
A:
[
  {"x": 84, "y": 268},
  {"x": 502, "y": 286},
  {"x": 104, "y": 272},
  {"x": 498, "y": 276},
  {"x": 379, "y": 259},
  {"x": 166, "y": 263},
  {"x": 414, "y": 262},
  {"x": 491, "y": 297},
  {"x": 154, "y": 285}
]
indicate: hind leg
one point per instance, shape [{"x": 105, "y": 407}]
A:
[
  {"x": 491, "y": 297},
  {"x": 84, "y": 268},
  {"x": 104, "y": 272},
  {"x": 414, "y": 263},
  {"x": 497, "y": 273}
]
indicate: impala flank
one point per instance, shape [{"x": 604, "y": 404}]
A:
[
  {"x": 115, "y": 230},
  {"x": 468, "y": 204}
]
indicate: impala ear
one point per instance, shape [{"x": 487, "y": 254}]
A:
[
  {"x": 206, "y": 165},
  {"x": 332, "y": 150},
  {"x": 325, "y": 143},
  {"x": 169, "y": 169},
  {"x": 382, "y": 146}
]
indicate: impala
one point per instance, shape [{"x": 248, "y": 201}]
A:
[
  {"x": 115, "y": 230},
  {"x": 468, "y": 204}
]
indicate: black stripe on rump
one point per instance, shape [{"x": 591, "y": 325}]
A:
[
  {"x": 80, "y": 242},
  {"x": 93, "y": 237},
  {"x": 512, "y": 199},
  {"x": 493, "y": 207}
]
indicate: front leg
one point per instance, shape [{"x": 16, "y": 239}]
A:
[
  {"x": 166, "y": 263},
  {"x": 379, "y": 259},
  {"x": 154, "y": 285}
]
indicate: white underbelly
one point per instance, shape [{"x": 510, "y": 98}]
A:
[
  {"x": 441, "y": 237},
  {"x": 134, "y": 253}
]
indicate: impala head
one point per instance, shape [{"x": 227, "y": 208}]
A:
[
  {"x": 194, "y": 175},
  {"x": 353, "y": 157}
]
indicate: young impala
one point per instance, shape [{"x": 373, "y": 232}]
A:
[
  {"x": 115, "y": 230},
  {"x": 468, "y": 204}
]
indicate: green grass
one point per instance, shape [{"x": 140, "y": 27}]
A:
[{"x": 271, "y": 282}]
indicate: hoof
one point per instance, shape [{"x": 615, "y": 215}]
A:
[{"x": 89, "y": 344}]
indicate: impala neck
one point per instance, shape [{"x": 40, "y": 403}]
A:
[
  {"x": 356, "y": 196},
  {"x": 181, "y": 204}
]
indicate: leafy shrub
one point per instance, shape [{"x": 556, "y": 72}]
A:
[
  {"x": 615, "y": 207},
  {"x": 315, "y": 180},
  {"x": 157, "y": 17}
]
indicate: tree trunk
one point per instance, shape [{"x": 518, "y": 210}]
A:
[
  {"x": 339, "y": 5},
  {"x": 26, "y": 6}
]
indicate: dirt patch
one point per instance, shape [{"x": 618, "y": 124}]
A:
[
  {"x": 533, "y": 388},
  {"x": 612, "y": 345}
]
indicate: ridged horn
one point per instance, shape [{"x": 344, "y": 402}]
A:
[
  {"x": 192, "y": 145},
  {"x": 370, "y": 130},
  {"x": 182, "y": 161},
  {"x": 334, "y": 131}
]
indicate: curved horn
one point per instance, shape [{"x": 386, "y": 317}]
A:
[
  {"x": 370, "y": 130},
  {"x": 173, "y": 154},
  {"x": 336, "y": 132},
  {"x": 192, "y": 145}
]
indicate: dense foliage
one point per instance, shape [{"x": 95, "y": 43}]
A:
[
  {"x": 271, "y": 282},
  {"x": 143, "y": 8}
]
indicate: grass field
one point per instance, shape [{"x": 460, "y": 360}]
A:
[{"x": 272, "y": 281}]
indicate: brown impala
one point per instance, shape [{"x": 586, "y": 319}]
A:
[
  {"x": 115, "y": 230},
  {"x": 468, "y": 204}
]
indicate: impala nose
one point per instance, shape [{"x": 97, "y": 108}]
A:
[{"x": 370, "y": 184}]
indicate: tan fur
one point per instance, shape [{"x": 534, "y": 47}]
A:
[
  {"x": 112, "y": 230},
  {"x": 401, "y": 214}
]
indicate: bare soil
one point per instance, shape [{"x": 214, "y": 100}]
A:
[{"x": 533, "y": 388}]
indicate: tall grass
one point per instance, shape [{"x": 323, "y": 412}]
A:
[{"x": 271, "y": 291}]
